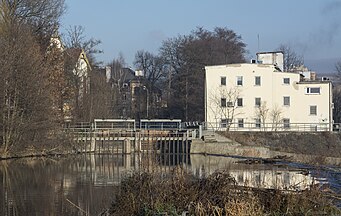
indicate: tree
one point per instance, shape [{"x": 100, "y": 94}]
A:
[
  {"x": 41, "y": 15},
  {"x": 25, "y": 102},
  {"x": 276, "y": 117},
  {"x": 25, "y": 106},
  {"x": 338, "y": 68},
  {"x": 224, "y": 105},
  {"x": 154, "y": 69},
  {"x": 185, "y": 58},
  {"x": 76, "y": 39},
  {"x": 292, "y": 60},
  {"x": 262, "y": 114},
  {"x": 337, "y": 95}
]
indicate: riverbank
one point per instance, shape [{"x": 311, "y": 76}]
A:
[
  {"x": 320, "y": 143},
  {"x": 311, "y": 148}
]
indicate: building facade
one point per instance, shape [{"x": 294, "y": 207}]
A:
[{"x": 260, "y": 97}]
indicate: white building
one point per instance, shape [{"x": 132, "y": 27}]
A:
[{"x": 253, "y": 96}]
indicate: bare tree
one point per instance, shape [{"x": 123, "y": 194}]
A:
[
  {"x": 276, "y": 117},
  {"x": 292, "y": 60},
  {"x": 24, "y": 106},
  {"x": 338, "y": 69},
  {"x": 224, "y": 105},
  {"x": 41, "y": 15},
  {"x": 76, "y": 38},
  {"x": 25, "y": 100},
  {"x": 262, "y": 113}
]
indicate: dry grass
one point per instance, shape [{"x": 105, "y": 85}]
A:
[{"x": 179, "y": 192}]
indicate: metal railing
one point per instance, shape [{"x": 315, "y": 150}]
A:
[{"x": 270, "y": 127}]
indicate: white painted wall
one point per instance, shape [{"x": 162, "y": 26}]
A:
[{"x": 272, "y": 90}]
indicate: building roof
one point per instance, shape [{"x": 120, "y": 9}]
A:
[{"x": 73, "y": 55}]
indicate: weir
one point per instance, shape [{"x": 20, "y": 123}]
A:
[{"x": 122, "y": 136}]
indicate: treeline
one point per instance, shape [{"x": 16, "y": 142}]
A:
[
  {"x": 31, "y": 83},
  {"x": 177, "y": 70}
]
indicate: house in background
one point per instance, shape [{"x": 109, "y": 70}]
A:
[
  {"x": 133, "y": 96},
  {"x": 261, "y": 96},
  {"x": 77, "y": 70}
]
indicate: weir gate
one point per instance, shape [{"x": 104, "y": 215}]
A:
[{"x": 128, "y": 136}]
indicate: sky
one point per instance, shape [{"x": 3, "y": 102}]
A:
[{"x": 311, "y": 27}]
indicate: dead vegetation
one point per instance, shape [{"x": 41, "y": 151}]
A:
[
  {"x": 182, "y": 193},
  {"x": 320, "y": 143}
]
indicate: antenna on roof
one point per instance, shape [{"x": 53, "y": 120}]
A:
[{"x": 258, "y": 41}]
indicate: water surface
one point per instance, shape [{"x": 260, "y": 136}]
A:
[{"x": 85, "y": 184}]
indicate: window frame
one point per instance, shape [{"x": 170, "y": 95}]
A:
[
  {"x": 225, "y": 122},
  {"x": 240, "y": 123},
  {"x": 258, "y": 123},
  {"x": 309, "y": 92},
  {"x": 238, "y": 102},
  {"x": 239, "y": 80},
  {"x": 286, "y": 102},
  {"x": 223, "y": 81},
  {"x": 286, "y": 78},
  {"x": 258, "y": 78},
  {"x": 260, "y": 101},
  {"x": 223, "y": 102},
  {"x": 310, "y": 110},
  {"x": 286, "y": 123}
]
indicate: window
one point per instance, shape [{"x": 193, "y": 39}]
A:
[
  {"x": 230, "y": 104},
  {"x": 286, "y": 101},
  {"x": 241, "y": 123},
  {"x": 223, "y": 81},
  {"x": 239, "y": 80},
  {"x": 257, "y": 81},
  {"x": 240, "y": 102},
  {"x": 286, "y": 81},
  {"x": 286, "y": 123},
  {"x": 313, "y": 110},
  {"x": 257, "y": 102},
  {"x": 223, "y": 102},
  {"x": 315, "y": 90},
  {"x": 225, "y": 122},
  {"x": 257, "y": 123}
]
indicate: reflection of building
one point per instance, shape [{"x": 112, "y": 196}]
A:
[
  {"x": 258, "y": 175},
  {"x": 259, "y": 96}
]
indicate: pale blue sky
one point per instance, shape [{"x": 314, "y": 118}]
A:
[{"x": 311, "y": 27}]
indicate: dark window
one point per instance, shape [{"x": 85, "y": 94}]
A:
[
  {"x": 257, "y": 123},
  {"x": 286, "y": 101},
  {"x": 223, "y": 102},
  {"x": 223, "y": 81},
  {"x": 257, "y": 81},
  {"x": 286, "y": 81},
  {"x": 313, "y": 110},
  {"x": 315, "y": 90},
  {"x": 239, "y": 80},
  {"x": 286, "y": 123},
  {"x": 241, "y": 123},
  {"x": 257, "y": 102},
  {"x": 225, "y": 122},
  {"x": 240, "y": 102}
]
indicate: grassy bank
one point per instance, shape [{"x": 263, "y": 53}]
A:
[
  {"x": 153, "y": 193},
  {"x": 320, "y": 143}
]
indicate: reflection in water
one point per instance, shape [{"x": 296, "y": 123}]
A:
[{"x": 85, "y": 184}]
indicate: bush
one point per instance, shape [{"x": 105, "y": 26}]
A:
[{"x": 155, "y": 193}]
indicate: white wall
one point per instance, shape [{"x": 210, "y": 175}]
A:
[{"x": 272, "y": 90}]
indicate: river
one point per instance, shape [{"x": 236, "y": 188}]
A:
[{"x": 85, "y": 184}]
